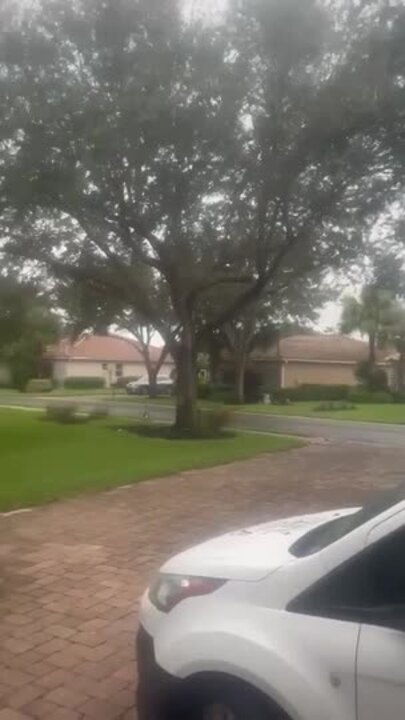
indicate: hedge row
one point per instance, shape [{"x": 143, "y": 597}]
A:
[
  {"x": 336, "y": 393},
  {"x": 302, "y": 393},
  {"x": 84, "y": 383},
  {"x": 39, "y": 385}
]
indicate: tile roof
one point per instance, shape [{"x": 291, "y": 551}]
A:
[
  {"x": 104, "y": 348},
  {"x": 323, "y": 348}
]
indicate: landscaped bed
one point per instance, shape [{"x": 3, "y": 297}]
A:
[{"x": 41, "y": 461}]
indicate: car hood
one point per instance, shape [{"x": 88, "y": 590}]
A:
[{"x": 251, "y": 553}]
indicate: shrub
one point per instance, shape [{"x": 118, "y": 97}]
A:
[
  {"x": 372, "y": 377},
  {"x": 221, "y": 392},
  {"x": 382, "y": 397},
  {"x": 364, "y": 397},
  {"x": 22, "y": 370},
  {"x": 211, "y": 422},
  {"x": 308, "y": 392},
  {"x": 64, "y": 414},
  {"x": 98, "y": 413},
  {"x": 253, "y": 387},
  {"x": 204, "y": 391},
  {"x": 84, "y": 383},
  {"x": 398, "y": 396},
  {"x": 334, "y": 406},
  {"x": 38, "y": 385}
]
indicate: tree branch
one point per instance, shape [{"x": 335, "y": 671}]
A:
[{"x": 224, "y": 280}]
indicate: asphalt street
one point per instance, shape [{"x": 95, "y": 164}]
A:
[{"x": 336, "y": 431}]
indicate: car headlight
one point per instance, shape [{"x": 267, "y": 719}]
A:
[{"x": 169, "y": 590}]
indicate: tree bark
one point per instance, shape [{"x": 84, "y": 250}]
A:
[
  {"x": 240, "y": 370},
  {"x": 401, "y": 371},
  {"x": 152, "y": 373},
  {"x": 185, "y": 356},
  {"x": 372, "y": 341}
]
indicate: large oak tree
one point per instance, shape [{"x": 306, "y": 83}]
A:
[{"x": 240, "y": 153}]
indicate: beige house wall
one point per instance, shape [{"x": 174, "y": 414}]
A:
[
  {"x": 313, "y": 373},
  {"x": 63, "y": 369}
]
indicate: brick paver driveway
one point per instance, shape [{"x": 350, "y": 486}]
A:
[{"x": 71, "y": 573}]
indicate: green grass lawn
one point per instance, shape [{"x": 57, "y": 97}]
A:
[
  {"x": 41, "y": 461},
  {"x": 365, "y": 413},
  {"x": 361, "y": 413},
  {"x": 64, "y": 392},
  {"x": 123, "y": 396}
]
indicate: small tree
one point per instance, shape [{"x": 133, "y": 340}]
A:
[
  {"x": 143, "y": 332},
  {"x": 93, "y": 302},
  {"x": 27, "y": 326},
  {"x": 254, "y": 329},
  {"x": 374, "y": 378},
  {"x": 369, "y": 315},
  {"x": 395, "y": 336},
  {"x": 259, "y": 326}
]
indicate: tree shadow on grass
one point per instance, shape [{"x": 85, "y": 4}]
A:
[{"x": 168, "y": 432}]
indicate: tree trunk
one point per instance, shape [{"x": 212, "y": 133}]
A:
[
  {"x": 152, "y": 376},
  {"x": 240, "y": 370},
  {"x": 401, "y": 371},
  {"x": 372, "y": 348},
  {"x": 153, "y": 369},
  {"x": 186, "y": 381},
  {"x": 214, "y": 363}
]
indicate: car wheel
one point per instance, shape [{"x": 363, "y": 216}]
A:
[
  {"x": 227, "y": 710},
  {"x": 232, "y": 701}
]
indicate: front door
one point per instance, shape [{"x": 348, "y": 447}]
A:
[{"x": 381, "y": 650}]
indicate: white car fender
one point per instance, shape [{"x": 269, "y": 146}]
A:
[{"x": 268, "y": 656}]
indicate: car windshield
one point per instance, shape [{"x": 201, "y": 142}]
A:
[{"x": 331, "y": 531}]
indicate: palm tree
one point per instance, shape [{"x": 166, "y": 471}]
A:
[
  {"x": 371, "y": 315},
  {"x": 395, "y": 335}
]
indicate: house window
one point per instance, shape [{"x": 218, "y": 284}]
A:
[
  {"x": 118, "y": 370},
  {"x": 105, "y": 366}
]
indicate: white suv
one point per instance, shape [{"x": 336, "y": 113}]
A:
[
  {"x": 164, "y": 385},
  {"x": 298, "y": 619}
]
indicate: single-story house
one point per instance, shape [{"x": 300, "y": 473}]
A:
[
  {"x": 312, "y": 359},
  {"x": 110, "y": 357}
]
